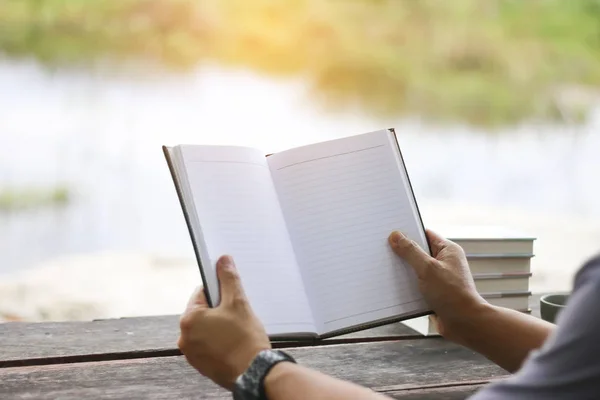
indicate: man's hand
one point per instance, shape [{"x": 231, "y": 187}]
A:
[
  {"x": 221, "y": 342},
  {"x": 444, "y": 279},
  {"x": 462, "y": 315}
]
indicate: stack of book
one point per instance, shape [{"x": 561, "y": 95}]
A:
[{"x": 500, "y": 262}]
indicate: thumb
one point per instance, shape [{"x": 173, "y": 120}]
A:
[
  {"x": 410, "y": 252},
  {"x": 230, "y": 282}
]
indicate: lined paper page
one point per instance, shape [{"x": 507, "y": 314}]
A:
[
  {"x": 341, "y": 200},
  {"x": 239, "y": 215}
]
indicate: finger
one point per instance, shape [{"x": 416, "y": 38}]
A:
[
  {"x": 436, "y": 241},
  {"x": 230, "y": 282},
  {"x": 438, "y": 324},
  {"x": 188, "y": 321},
  {"x": 410, "y": 252},
  {"x": 197, "y": 300},
  {"x": 196, "y": 305}
]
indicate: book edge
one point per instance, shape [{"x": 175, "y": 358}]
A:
[
  {"x": 373, "y": 324},
  {"x": 501, "y": 276},
  {"x": 474, "y": 256},
  {"x": 166, "y": 152},
  {"x": 490, "y": 239},
  {"x": 412, "y": 191},
  {"x": 505, "y": 294}
]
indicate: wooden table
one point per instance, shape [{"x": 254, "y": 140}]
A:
[{"x": 137, "y": 358}]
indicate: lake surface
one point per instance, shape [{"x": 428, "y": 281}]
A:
[{"x": 102, "y": 137}]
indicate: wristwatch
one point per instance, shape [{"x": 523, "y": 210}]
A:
[{"x": 250, "y": 385}]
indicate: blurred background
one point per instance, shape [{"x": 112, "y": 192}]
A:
[{"x": 495, "y": 104}]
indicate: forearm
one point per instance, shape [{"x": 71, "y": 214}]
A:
[
  {"x": 504, "y": 336},
  {"x": 291, "y": 381}
]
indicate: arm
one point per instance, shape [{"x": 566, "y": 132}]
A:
[
  {"x": 284, "y": 381},
  {"x": 462, "y": 315},
  {"x": 504, "y": 336},
  {"x": 221, "y": 343},
  {"x": 566, "y": 366}
]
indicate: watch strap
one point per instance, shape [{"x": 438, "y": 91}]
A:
[{"x": 251, "y": 384}]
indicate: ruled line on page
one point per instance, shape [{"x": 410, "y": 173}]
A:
[
  {"x": 340, "y": 209},
  {"x": 368, "y": 312},
  {"x": 322, "y": 158}
]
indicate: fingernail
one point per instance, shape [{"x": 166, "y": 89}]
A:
[
  {"x": 225, "y": 262},
  {"x": 397, "y": 237}
]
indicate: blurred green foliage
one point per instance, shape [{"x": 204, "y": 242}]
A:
[
  {"x": 12, "y": 199},
  {"x": 478, "y": 61}
]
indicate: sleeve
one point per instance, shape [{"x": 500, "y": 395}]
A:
[{"x": 567, "y": 366}]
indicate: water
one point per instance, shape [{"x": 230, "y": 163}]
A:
[{"x": 101, "y": 136}]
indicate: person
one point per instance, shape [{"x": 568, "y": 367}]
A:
[{"x": 225, "y": 343}]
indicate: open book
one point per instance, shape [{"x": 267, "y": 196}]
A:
[{"x": 308, "y": 230}]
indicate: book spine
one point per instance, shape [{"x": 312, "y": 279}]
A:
[{"x": 186, "y": 215}]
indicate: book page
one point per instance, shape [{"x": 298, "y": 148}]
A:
[
  {"x": 239, "y": 214},
  {"x": 341, "y": 200}
]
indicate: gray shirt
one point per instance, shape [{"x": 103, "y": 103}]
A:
[{"x": 567, "y": 366}]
